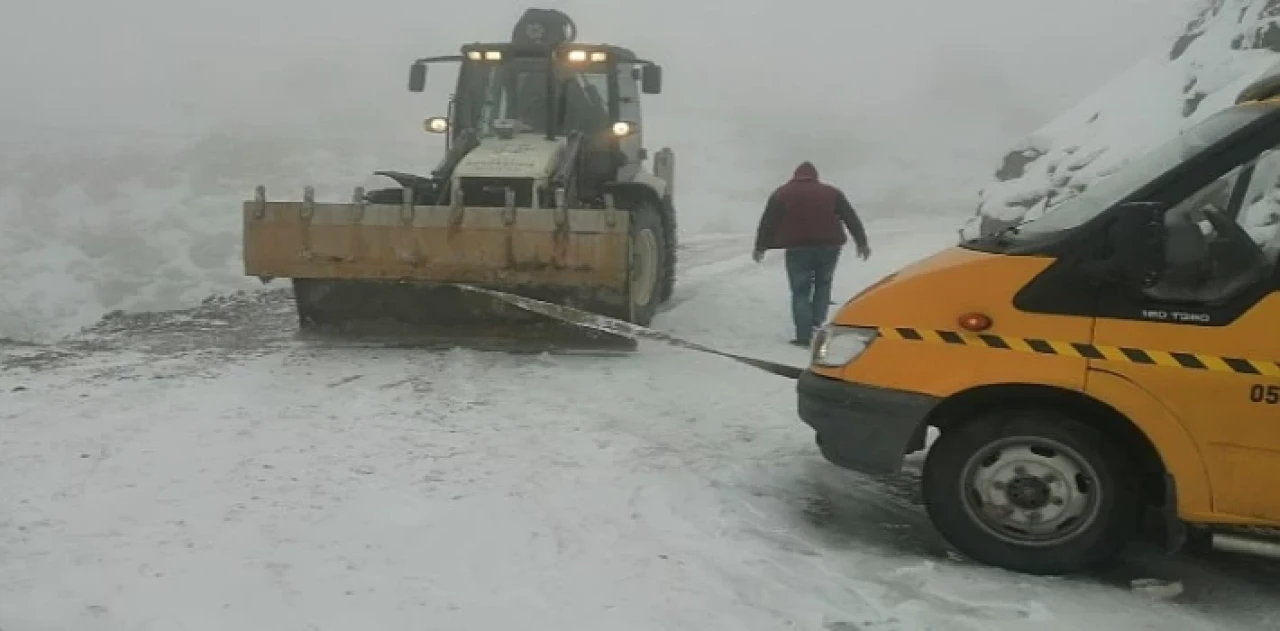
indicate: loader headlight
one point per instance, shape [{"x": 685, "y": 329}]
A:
[
  {"x": 493, "y": 55},
  {"x": 474, "y": 55},
  {"x": 436, "y": 125},
  {"x": 837, "y": 345},
  {"x": 622, "y": 128},
  {"x": 579, "y": 56}
]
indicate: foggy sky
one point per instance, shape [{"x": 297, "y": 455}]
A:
[{"x": 852, "y": 80}]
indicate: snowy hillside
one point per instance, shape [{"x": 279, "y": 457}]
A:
[
  {"x": 1226, "y": 46},
  {"x": 143, "y": 226}
]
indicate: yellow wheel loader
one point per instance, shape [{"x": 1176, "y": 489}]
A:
[{"x": 542, "y": 193}]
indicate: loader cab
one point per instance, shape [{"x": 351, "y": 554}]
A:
[{"x": 555, "y": 92}]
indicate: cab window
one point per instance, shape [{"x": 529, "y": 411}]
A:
[
  {"x": 587, "y": 102},
  {"x": 1222, "y": 239},
  {"x": 1260, "y": 215},
  {"x": 628, "y": 93}
]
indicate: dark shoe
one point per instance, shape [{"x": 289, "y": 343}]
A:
[{"x": 801, "y": 343}]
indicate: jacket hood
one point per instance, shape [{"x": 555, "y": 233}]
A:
[{"x": 806, "y": 171}]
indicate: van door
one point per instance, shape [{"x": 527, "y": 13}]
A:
[{"x": 1205, "y": 339}]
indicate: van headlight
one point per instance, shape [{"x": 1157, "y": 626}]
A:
[{"x": 837, "y": 345}]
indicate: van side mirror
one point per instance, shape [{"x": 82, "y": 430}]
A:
[
  {"x": 1136, "y": 241},
  {"x": 417, "y": 77},
  {"x": 651, "y": 79}
]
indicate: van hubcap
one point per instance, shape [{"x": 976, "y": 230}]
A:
[{"x": 1031, "y": 491}]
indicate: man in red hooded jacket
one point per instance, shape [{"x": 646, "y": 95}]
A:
[{"x": 807, "y": 218}]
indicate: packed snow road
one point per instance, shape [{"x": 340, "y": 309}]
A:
[{"x": 208, "y": 470}]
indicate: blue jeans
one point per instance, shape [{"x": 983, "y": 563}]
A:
[{"x": 809, "y": 272}]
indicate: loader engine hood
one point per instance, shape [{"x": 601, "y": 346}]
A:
[{"x": 522, "y": 156}]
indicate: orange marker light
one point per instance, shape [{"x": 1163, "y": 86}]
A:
[{"x": 975, "y": 322}]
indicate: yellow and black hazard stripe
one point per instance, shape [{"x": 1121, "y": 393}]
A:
[{"x": 1170, "y": 359}]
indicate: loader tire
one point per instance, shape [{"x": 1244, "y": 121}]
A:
[
  {"x": 669, "y": 232},
  {"x": 306, "y": 294},
  {"x": 1032, "y": 490},
  {"x": 648, "y": 265}
]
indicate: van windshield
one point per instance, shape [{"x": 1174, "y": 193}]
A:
[{"x": 1136, "y": 173}]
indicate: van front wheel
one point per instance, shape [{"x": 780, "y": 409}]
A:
[{"x": 1031, "y": 490}]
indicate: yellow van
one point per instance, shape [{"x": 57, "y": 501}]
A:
[{"x": 1109, "y": 370}]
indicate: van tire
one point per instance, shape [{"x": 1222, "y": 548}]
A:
[{"x": 1042, "y": 450}]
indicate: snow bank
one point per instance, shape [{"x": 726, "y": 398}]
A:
[
  {"x": 123, "y": 225},
  {"x": 1227, "y": 45}
]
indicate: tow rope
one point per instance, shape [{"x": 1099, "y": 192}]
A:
[{"x": 586, "y": 319}]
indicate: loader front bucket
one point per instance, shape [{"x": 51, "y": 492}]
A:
[{"x": 390, "y": 270}]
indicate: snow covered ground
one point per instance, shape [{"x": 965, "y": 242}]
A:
[{"x": 208, "y": 470}]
